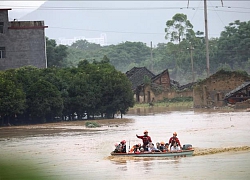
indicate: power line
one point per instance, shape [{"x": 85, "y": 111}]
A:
[
  {"x": 196, "y": 11},
  {"x": 110, "y": 9},
  {"x": 125, "y": 32},
  {"x": 218, "y": 15}
]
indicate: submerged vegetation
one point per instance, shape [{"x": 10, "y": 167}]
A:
[
  {"x": 92, "y": 124},
  {"x": 30, "y": 95}
]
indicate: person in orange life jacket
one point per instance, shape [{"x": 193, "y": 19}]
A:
[
  {"x": 173, "y": 140},
  {"x": 145, "y": 139},
  {"x": 162, "y": 147},
  {"x": 135, "y": 148}
]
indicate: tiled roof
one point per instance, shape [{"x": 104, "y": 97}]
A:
[
  {"x": 159, "y": 75},
  {"x": 173, "y": 83},
  {"x": 188, "y": 86},
  {"x": 136, "y": 75},
  {"x": 231, "y": 93}
]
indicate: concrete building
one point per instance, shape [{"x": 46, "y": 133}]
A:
[{"x": 22, "y": 43}]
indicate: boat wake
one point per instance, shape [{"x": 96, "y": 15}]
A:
[{"x": 200, "y": 151}]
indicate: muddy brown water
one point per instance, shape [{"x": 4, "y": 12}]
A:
[{"x": 69, "y": 150}]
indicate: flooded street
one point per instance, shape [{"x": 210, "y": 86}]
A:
[{"x": 69, "y": 150}]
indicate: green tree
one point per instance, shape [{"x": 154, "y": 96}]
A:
[
  {"x": 27, "y": 75},
  {"x": 82, "y": 97},
  {"x": 178, "y": 28},
  {"x": 85, "y": 45},
  {"x": 116, "y": 93},
  {"x": 105, "y": 59},
  {"x": 234, "y": 45},
  {"x": 56, "y": 55},
  {"x": 44, "y": 101},
  {"x": 112, "y": 89},
  {"x": 12, "y": 101}
]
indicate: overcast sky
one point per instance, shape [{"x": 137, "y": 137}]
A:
[{"x": 158, "y": 11}]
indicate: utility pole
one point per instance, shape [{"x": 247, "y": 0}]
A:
[
  {"x": 206, "y": 34},
  {"x": 192, "y": 62},
  {"x": 152, "y": 66}
]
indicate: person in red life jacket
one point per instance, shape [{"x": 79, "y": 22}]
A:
[
  {"x": 174, "y": 140},
  {"x": 120, "y": 148},
  {"x": 145, "y": 139},
  {"x": 123, "y": 148}
]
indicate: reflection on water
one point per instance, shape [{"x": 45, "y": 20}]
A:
[{"x": 69, "y": 150}]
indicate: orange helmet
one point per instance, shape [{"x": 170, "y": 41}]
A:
[
  {"x": 145, "y": 131},
  {"x": 162, "y": 143},
  {"x": 175, "y": 133}
]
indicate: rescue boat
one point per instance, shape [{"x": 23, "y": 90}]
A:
[{"x": 186, "y": 151}]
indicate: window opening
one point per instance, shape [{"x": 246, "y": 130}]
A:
[
  {"x": 2, "y": 52},
  {"x": 1, "y": 27}
]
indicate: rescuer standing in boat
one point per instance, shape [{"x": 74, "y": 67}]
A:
[
  {"x": 145, "y": 139},
  {"x": 174, "y": 140}
]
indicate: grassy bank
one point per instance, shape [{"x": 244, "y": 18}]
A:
[
  {"x": 186, "y": 102},
  {"x": 165, "y": 104}
]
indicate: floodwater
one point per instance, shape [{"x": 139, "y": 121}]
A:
[{"x": 69, "y": 150}]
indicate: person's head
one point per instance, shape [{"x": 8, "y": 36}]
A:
[
  {"x": 174, "y": 134},
  {"x": 150, "y": 144},
  {"x": 166, "y": 145},
  {"x": 145, "y": 132},
  {"x": 162, "y": 143},
  {"x": 123, "y": 142}
]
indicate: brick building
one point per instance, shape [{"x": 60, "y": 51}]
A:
[
  {"x": 212, "y": 91},
  {"x": 22, "y": 43},
  {"x": 148, "y": 87}
]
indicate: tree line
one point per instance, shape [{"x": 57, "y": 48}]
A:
[
  {"x": 30, "y": 95},
  {"x": 230, "y": 51}
]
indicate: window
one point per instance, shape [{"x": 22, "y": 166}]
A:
[
  {"x": 1, "y": 27},
  {"x": 2, "y": 52},
  {"x": 218, "y": 96}
]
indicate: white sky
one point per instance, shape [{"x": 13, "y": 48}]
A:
[
  {"x": 218, "y": 18},
  {"x": 21, "y": 7}
]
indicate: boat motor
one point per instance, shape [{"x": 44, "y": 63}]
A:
[{"x": 187, "y": 147}]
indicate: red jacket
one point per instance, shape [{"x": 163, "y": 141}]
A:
[
  {"x": 145, "y": 140},
  {"x": 172, "y": 140}
]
